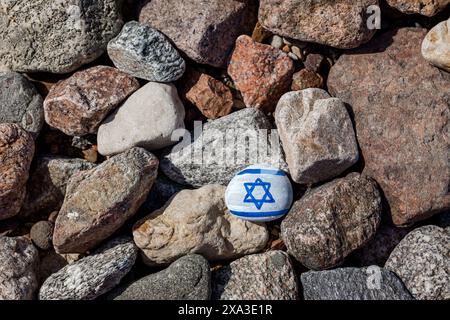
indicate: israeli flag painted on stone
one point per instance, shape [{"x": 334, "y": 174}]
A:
[{"x": 259, "y": 193}]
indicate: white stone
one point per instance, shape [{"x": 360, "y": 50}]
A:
[
  {"x": 147, "y": 119},
  {"x": 436, "y": 46},
  {"x": 259, "y": 193}
]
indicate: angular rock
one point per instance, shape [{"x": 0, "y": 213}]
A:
[
  {"x": 266, "y": 276},
  {"x": 20, "y": 102},
  {"x": 147, "y": 119},
  {"x": 146, "y": 53},
  {"x": 317, "y": 135},
  {"x": 188, "y": 278},
  {"x": 400, "y": 106},
  {"x": 436, "y": 46},
  {"x": 262, "y": 73},
  {"x": 100, "y": 200},
  {"x": 223, "y": 148},
  {"x": 203, "y": 30},
  {"x": 372, "y": 283},
  {"x": 163, "y": 189},
  {"x": 78, "y": 105},
  {"x": 210, "y": 96},
  {"x": 425, "y": 7},
  {"x": 55, "y": 36},
  {"x": 314, "y": 62},
  {"x": 47, "y": 184},
  {"x": 50, "y": 263},
  {"x": 197, "y": 221},
  {"x": 422, "y": 261},
  {"x": 16, "y": 153},
  {"x": 338, "y": 23},
  {"x": 92, "y": 276},
  {"x": 305, "y": 79},
  {"x": 18, "y": 265},
  {"x": 41, "y": 234},
  {"x": 331, "y": 221}
]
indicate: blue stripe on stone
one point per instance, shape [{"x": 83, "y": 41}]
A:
[
  {"x": 262, "y": 171},
  {"x": 260, "y": 214}
]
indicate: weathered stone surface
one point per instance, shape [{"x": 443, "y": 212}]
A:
[
  {"x": 146, "y": 53},
  {"x": 163, "y": 189},
  {"x": 18, "y": 264},
  {"x": 425, "y": 7},
  {"x": 47, "y": 184},
  {"x": 317, "y": 135},
  {"x": 262, "y": 73},
  {"x": 314, "y": 62},
  {"x": 197, "y": 221},
  {"x": 266, "y": 276},
  {"x": 337, "y": 23},
  {"x": 92, "y": 276},
  {"x": 400, "y": 105},
  {"x": 204, "y": 30},
  {"x": 422, "y": 261},
  {"x": 55, "y": 36},
  {"x": 436, "y": 46},
  {"x": 188, "y": 278},
  {"x": 41, "y": 234},
  {"x": 100, "y": 200},
  {"x": 50, "y": 263},
  {"x": 210, "y": 96},
  {"x": 78, "y": 105},
  {"x": 20, "y": 102},
  {"x": 16, "y": 153},
  {"x": 372, "y": 283},
  {"x": 305, "y": 79},
  {"x": 223, "y": 148},
  {"x": 147, "y": 119},
  {"x": 331, "y": 221}
]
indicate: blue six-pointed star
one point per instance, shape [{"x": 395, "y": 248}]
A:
[{"x": 250, "y": 198}]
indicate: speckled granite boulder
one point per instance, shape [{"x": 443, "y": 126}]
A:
[
  {"x": 18, "y": 266},
  {"x": 203, "y": 30},
  {"x": 55, "y": 36},
  {"x": 425, "y": 7},
  {"x": 372, "y": 283},
  {"x": 146, "y": 53},
  {"x": 266, "y": 276},
  {"x": 188, "y": 278},
  {"x": 20, "y": 102},
  {"x": 100, "y": 200},
  {"x": 422, "y": 261},
  {"x": 337, "y": 23},
  {"x": 92, "y": 276},
  {"x": 333, "y": 220},
  {"x": 16, "y": 153}
]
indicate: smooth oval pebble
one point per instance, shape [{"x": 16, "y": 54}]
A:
[{"x": 259, "y": 193}]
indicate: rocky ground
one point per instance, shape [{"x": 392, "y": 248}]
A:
[{"x": 97, "y": 200}]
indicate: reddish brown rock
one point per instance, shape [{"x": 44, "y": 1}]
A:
[
  {"x": 78, "y": 105},
  {"x": 210, "y": 96},
  {"x": 262, "y": 73},
  {"x": 314, "y": 62},
  {"x": 425, "y": 7},
  {"x": 16, "y": 153},
  {"x": 204, "y": 30},
  {"x": 305, "y": 79},
  {"x": 401, "y": 110}
]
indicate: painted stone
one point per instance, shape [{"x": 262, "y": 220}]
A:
[{"x": 259, "y": 193}]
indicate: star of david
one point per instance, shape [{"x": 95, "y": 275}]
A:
[{"x": 266, "y": 198}]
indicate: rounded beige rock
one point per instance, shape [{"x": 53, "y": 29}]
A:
[{"x": 436, "y": 46}]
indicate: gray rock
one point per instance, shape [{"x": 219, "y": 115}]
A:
[
  {"x": 332, "y": 221},
  {"x": 47, "y": 184},
  {"x": 92, "y": 276},
  {"x": 18, "y": 266},
  {"x": 317, "y": 135},
  {"x": 422, "y": 261},
  {"x": 146, "y": 53},
  {"x": 223, "y": 148},
  {"x": 20, "y": 102},
  {"x": 266, "y": 276},
  {"x": 147, "y": 119},
  {"x": 99, "y": 201},
  {"x": 55, "y": 36},
  {"x": 372, "y": 283},
  {"x": 197, "y": 221},
  {"x": 163, "y": 189},
  {"x": 189, "y": 278}
]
